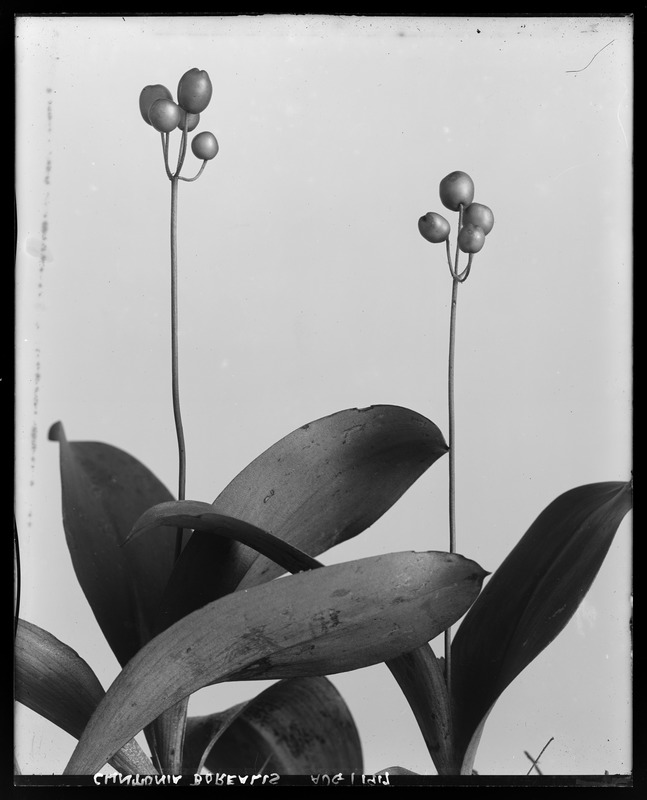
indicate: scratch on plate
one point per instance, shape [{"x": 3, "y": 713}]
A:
[
  {"x": 618, "y": 117},
  {"x": 594, "y": 57}
]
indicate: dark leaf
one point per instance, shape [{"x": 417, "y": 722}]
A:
[
  {"x": 55, "y": 682},
  {"x": 199, "y": 516},
  {"x": 321, "y": 485},
  {"x": 422, "y": 680},
  {"x": 105, "y": 491},
  {"x": 295, "y": 727},
  {"x": 202, "y": 733},
  {"x": 328, "y": 620},
  {"x": 190, "y": 586},
  {"x": 530, "y": 598}
]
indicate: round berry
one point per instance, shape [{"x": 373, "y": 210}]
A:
[
  {"x": 455, "y": 189},
  {"x": 194, "y": 91},
  {"x": 164, "y": 115},
  {"x": 188, "y": 121},
  {"x": 148, "y": 95},
  {"x": 205, "y": 146},
  {"x": 478, "y": 214},
  {"x": 433, "y": 227},
  {"x": 471, "y": 238}
]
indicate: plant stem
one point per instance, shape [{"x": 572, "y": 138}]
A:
[
  {"x": 452, "y": 454},
  {"x": 452, "y": 461},
  {"x": 195, "y": 177},
  {"x": 165, "y": 151},
  {"x": 452, "y": 421},
  {"x": 174, "y": 360}
]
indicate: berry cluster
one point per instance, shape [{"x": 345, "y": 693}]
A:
[
  {"x": 475, "y": 220},
  {"x": 193, "y": 95}
]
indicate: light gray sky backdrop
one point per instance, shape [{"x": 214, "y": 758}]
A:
[{"x": 305, "y": 288}]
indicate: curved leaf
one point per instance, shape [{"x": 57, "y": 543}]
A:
[
  {"x": 200, "y": 516},
  {"x": 104, "y": 491},
  {"x": 422, "y": 680},
  {"x": 166, "y": 737},
  {"x": 202, "y": 733},
  {"x": 55, "y": 682},
  {"x": 328, "y": 620},
  {"x": 190, "y": 585},
  {"x": 530, "y": 598},
  {"x": 321, "y": 485},
  {"x": 295, "y": 727},
  {"x": 330, "y": 479}
]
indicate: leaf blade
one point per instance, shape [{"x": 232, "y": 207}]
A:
[
  {"x": 297, "y": 726},
  {"x": 191, "y": 582},
  {"x": 318, "y": 486},
  {"x": 104, "y": 490},
  {"x": 530, "y": 598},
  {"x": 422, "y": 681},
  {"x": 327, "y": 620},
  {"x": 55, "y": 682}
]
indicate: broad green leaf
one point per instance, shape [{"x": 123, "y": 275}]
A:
[
  {"x": 295, "y": 727},
  {"x": 321, "y": 485},
  {"x": 530, "y": 598},
  {"x": 105, "y": 491},
  {"x": 328, "y": 620},
  {"x": 190, "y": 586},
  {"x": 55, "y": 682},
  {"x": 422, "y": 680}
]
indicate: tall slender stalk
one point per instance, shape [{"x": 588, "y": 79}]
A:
[
  {"x": 164, "y": 115},
  {"x": 175, "y": 377},
  {"x": 452, "y": 425},
  {"x": 175, "y": 178},
  {"x": 456, "y": 279}
]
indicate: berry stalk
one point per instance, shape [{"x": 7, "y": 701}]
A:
[
  {"x": 475, "y": 221},
  {"x": 452, "y": 436},
  {"x": 159, "y": 110},
  {"x": 175, "y": 376}
]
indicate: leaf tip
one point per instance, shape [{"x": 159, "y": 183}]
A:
[{"x": 56, "y": 432}]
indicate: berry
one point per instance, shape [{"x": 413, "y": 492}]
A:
[
  {"x": 455, "y": 189},
  {"x": 471, "y": 238},
  {"x": 194, "y": 91},
  {"x": 205, "y": 146},
  {"x": 433, "y": 227},
  {"x": 188, "y": 121},
  {"x": 164, "y": 115},
  {"x": 148, "y": 95},
  {"x": 478, "y": 214}
]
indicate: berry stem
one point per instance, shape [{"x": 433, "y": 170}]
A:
[
  {"x": 175, "y": 379},
  {"x": 165, "y": 138},
  {"x": 182, "y": 153},
  {"x": 195, "y": 177},
  {"x": 449, "y": 257}
]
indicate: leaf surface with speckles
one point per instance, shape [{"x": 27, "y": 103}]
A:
[{"x": 327, "y": 620}]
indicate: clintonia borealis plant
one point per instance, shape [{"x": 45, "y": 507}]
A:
[{"x": 186, "y": 591}]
